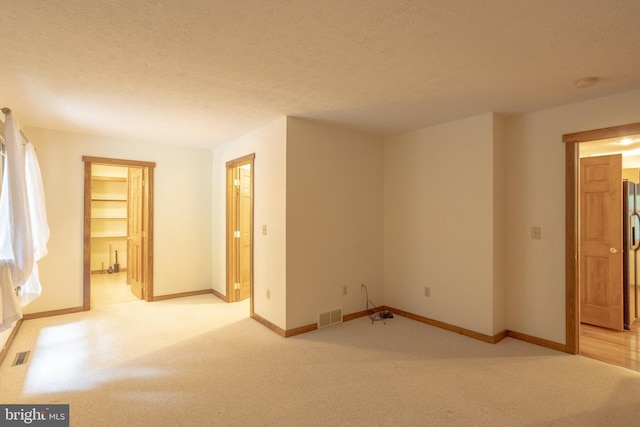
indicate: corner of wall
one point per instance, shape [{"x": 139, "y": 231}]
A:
[
  {"x": 334, "y": 220},
  {"x": 500, "y": 165}
]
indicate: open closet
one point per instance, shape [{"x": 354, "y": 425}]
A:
[
  {"x": 118, "y": 231},
  {"x": 108, "y": 219},
  {"x": 109, "y": 234}
]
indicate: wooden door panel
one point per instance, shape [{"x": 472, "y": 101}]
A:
[
  {"x": 596, "y": 277},
  {"x": 134, "y": 247},
  {"x": 601, "y": 241},
  {"x": 239, "y": 228},
  {"x": 245, "y": 225}
]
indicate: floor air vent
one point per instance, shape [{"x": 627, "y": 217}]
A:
[
  {"x": 21, "y": 358},
  {"x": 329, "y": 318}
]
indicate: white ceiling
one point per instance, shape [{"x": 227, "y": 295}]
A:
[{"x": 201, "y": 72}]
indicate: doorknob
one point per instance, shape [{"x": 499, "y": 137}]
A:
[{"x": 613, "y": 250}]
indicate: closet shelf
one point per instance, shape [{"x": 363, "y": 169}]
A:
[
  {"x": 106, "y": 234},
  {"x": 109, "y": 178},
  {"x": 108, "y": 217},
  {"x": 107, "y": 199}
]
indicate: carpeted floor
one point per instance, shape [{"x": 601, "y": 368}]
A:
[{"x": 197, "y": 361}]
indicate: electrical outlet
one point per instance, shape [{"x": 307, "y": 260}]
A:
[
  {"x": 268, "y": 293},
  {"x": 427, "y": 291},
  {"x": 344, "y": 290}
]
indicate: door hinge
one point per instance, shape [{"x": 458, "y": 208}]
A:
[
  {"x": 236, "y": 182},
  {"x": 236, "y": 234},
  {"x": 236, "y": 286}
]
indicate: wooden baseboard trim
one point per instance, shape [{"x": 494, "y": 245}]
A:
[
  {"x": 219, "y": 295},
  {"x": 7, "y": 345},
  {"x": 181, "y": 295},
  {"x": 282, "y": 332},
  {"x": 482, "y": 337},
  {"x": 52, "y": 313},
  {"x": 500, "y": 336},
  {"x": 457, "y": 329},
  {"x": 356, "y": 315},
  {"x": 278, "y": 330},
  {"x": 363, "y": 313},
  {"x": 538, "y": 341},
  {"x": 301, "y": 330}
]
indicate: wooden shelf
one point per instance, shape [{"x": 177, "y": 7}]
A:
[
  {"x": 109, "y": 178},
  {"x": 106, "y": 234},
  {"x": 106, "y": 199},
  {"x": 108, "y": 217}
]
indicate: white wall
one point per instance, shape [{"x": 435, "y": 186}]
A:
[
  {"x": 536, "y": 197},
  {"x": 319, "y": 194},
  {"x": 334, "y": 220},
  {"x": 182, "y": 214},
  {"x": 439, "y": 222},
  {"x": 269, "y": 145}
]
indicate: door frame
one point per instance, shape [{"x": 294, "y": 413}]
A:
[
  {"x": 147, "y": 245},
  {"x": 230, "y": 166},
  {"x": 572, "y": 295}
]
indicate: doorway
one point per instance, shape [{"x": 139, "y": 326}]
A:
[
  {"x": 573, "y": 297},
  {"x": 240, "y": 229},
  {"x": 118, "y": 229}
]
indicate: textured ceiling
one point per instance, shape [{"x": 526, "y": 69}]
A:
[{"x": 201, "y": 72}]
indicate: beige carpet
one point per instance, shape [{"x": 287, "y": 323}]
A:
[{"x": 197, "y": 361}]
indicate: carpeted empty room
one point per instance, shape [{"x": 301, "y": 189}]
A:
[
  {"x": 202, "y": 202},
  {"x": 199, "y": 361}
]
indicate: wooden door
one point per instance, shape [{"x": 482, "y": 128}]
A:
[
  {"x": 601, "y": 241},
  {"x": 239, "y": 228},
  {"x": 135, "y": 233},
  {"x": 245, "y": 228}
]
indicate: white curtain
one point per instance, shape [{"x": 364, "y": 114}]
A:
[
  {"x": 23, "y": 226},
  {"x": 39, "y": 226}
]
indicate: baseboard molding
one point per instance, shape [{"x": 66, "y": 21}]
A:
[
  {"x": 282, "y": 332},
  {"x": 52, "y": 313},
  {"x": 312, "y": 327},
  {"x": 500, "y": 336},
  {"x": 181, "y": 295},
  {"x": 363, "y": 313},
  {"x": 482, "y": 337},
  {"x": 457, "y": 329},
  {"x": 7, "y": 345},
  {"x": 219, "y": 295},
  {"x": 278, "y": 330},
  {"x": 301, "y": 330},
  {"x": 538, "y": 341},
  {"x": 356, "y": 315}
]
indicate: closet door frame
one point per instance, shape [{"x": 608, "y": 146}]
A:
[{"x": 148, "y": 224}]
